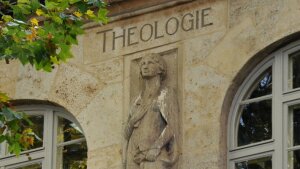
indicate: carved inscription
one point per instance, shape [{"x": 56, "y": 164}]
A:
[
  {"x": 152, "y": 129},
  {"x": 155, "y": 30}
]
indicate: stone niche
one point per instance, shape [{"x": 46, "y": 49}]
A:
[{"x": 166, "y": 105}]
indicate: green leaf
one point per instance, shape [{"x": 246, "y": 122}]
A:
[
  {"x": 73, "y": 1},
  {"x": 51, "y": 5},
  {"x": 57, "y": 19},
  {"x": 9, "y": 116},
  {"x": 35, "y": 4},
  {"x": 2, "y": 138},
  {"x": 4, "y": 98},
  {"x": 23, "y": 1},
  {"x": 102, "y": 15},
  {"x": 8, "y": 51},
  {"x": 15, "y": 148},
  {"x": 7, "y": 18}
]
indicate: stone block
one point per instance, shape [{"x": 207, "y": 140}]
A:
[
  {"x": 73, "y": 88},
  {"x": 102, "y": 118},
  {"x": 34, "y": 84}
]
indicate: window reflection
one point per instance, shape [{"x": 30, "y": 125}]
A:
[
  {"x": 255, "y": 123},
  {"x": 38, "y": 130},
  {"x": 294, "y": 70},
  {"x": 263, "y": 86},
  {"x": 294, "y": 126},
  {"x": 72, "y": 156},
  {"x": 294, "y": 159},
  {"x": 32, "y": 166},
  {"x": 68, "y": 131},
  {"x": 262, "y": 163}
]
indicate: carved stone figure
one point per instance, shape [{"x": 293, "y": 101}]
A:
[{"x": 151, "y": 131}]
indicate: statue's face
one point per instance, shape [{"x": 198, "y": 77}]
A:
[{"x": 149, "y": 67}]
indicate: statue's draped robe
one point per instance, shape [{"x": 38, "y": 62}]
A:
[{"x": 155, "y": 126}]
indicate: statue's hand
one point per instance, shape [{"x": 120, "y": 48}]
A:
[
  {"x": 138, "y": 158},
  {"x": 152, "y": 154}
]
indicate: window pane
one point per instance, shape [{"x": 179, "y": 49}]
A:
[
  {"x": 32, "y": 166},
  {"x": 72, "y": 156},
  {"x": 294, "y": 70},
  {"x": 294, "y": 159},
  {"x": 294, "y": 126},
  {"x": 67, "y": 130},
  {"x": 255, "y": 123},
  {"x": 261, "y": 163},
  {"x": 263, "y": 86},
  {"x": 38, "y": 130}
]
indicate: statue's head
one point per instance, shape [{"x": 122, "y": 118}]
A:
[{"x": 153, "y": 65}]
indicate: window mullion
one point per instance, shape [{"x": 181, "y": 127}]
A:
[
  {"x": 70, "y": 142},
  {"x": 267, "y": 97},
  {"x": 48, "y": 132},
  {"x": 245, "y": 153},
  {"x": 277, "y": 111}
]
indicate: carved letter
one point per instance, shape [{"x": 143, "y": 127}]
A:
[
  {"x": 104, "y": 38},
  {"x": 176, "y": 26},
  {"x": 116, "y": 37},
  {"x": 129, "y": 35},
  {"x": 143, "y": 33},
  {"x": 191, "y": 27},
  {"x": 205, "y": 13},
  {"x": 156, "y": 36}
]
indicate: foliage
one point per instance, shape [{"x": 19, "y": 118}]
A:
[
  {"x": 42, "y": 34},
  {"x": 14, "y": 127},
  {"x": 39, "y": 33}
]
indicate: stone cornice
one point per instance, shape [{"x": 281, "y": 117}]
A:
[{"x": 123, "y": 13}]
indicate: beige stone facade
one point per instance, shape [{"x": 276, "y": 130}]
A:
[{"x": 210, "y": 46}]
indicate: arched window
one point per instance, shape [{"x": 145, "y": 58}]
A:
[
  {"x": 59, "y": 143},
  {"x": 264, "y": 122}
]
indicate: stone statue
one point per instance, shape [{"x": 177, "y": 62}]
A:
[{"x": 151, "y": 131}]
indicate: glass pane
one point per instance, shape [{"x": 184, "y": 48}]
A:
[
  {"x": 261, "y": 163},
  {"x": 294, "y": 126},
  {"x": 294, "y": 159},
  {"x": 262, "y": 86},
  {"x": 38, "y": 129},
  {"x": 67, "y": 130},
  {"x": 294, "y": 70},
  {"x": 32, "y": 166},
  {"x": 255, "y": 123},
  {"x": 72, "y": 156}
]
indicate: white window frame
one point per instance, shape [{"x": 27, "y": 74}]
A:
[
  {"x": 282, "y": 97},
  {"x": 47, "y": 153}
]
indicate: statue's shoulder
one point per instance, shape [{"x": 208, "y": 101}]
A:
[{"x": 167, "y": 91}]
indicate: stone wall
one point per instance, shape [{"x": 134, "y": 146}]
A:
[{"x": 96, "y": 86}]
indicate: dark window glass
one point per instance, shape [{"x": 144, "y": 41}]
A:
[
  {"x": 32, "y": 166},
  {"x": 38, "y": 130},
  {"x": 255, "y": 123},
  {"x": 72, "y": 156},
  {"x": 263, "y": 86},
  {"x": 294, "y": 159},
  {"x": 261, "y": 163},
  {"x": 295, "y": 126},
  {"x": 295, "y": 74},
  {"x": 68, "y": 131}
]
